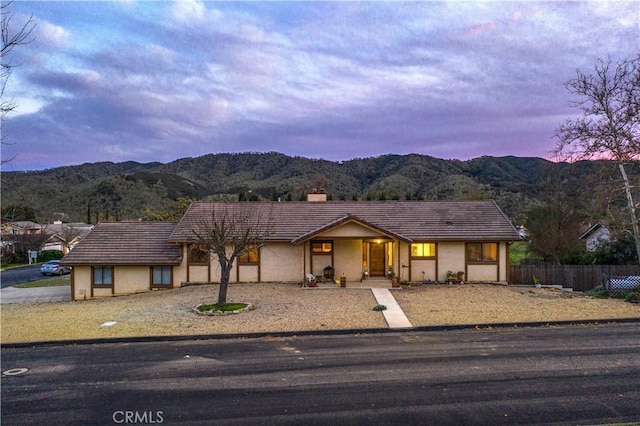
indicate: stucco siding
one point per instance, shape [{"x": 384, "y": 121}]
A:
[
  {"x": 350, "y": 230},
  {"x": 451, "y": 257},
  {"x": 423, "y": 269},
  {"x": 403, "y": 256},
  {"x": 198, "y": 274},
  {"x": 482, "y": 273},
  {"x": 503, "y": 253},
  {"x": 282, "y": 262},
  {"x": 131, "y": 279},
  {"x": 321, "y": 261},
  {"x": 248, "y": 273},
  {"x": 81, "y": 283},
  {"x": 101, "y": 292},
  {"x": 348, "y": 259}
]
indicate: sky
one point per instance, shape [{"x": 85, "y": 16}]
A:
[{"x": 161, "y": 80}]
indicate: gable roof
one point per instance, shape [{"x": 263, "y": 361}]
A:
[
  {"x": 342, "y": 221},
  {"x": 592, "y": 229},
  {"x": 296, "y": 222},
  {"x": 126, "y": 243}
]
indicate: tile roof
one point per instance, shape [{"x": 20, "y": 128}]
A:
[
  {"x": 407, "y": 220},
  {"x": 126, "y": 243}
]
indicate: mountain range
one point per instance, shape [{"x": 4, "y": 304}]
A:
[{"x": 124, "y": 191}]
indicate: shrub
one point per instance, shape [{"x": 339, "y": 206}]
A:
[
  {"x": 632, "y": 297},
  {"x": 379, "y": 308},
  {"x": 13, "y": 258},
  {"x": 599, "y": 292},
  {"x": 47, "y": 255}
]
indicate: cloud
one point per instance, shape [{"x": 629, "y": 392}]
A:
[{"x": 156, "y": 81}]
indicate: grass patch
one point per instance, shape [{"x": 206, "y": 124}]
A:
[
  {"x": 228, "y": 307},
  {"x": 53, "y": 282},
  {"x": 12, "y": 265}
]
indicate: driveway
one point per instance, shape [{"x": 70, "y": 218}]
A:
[{"x": 59, "y": 293}]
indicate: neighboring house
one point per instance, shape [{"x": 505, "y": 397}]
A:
[
  {"x": 20, "y": 234},
  {"x": 65, "y": 236},
  {"x": 56, "y": 236},
  {"x": 24, "y": 227},
  {"x": 595, "y": 236},
  {"x": 416, "y": 240}
]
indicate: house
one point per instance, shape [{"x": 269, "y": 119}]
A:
[
  {"x": 56, "y": 236},
  {"x": 416, "y": 241},
  {"x": 595, "y": 236},
  {"x": 20, "y": 236},
  {"x": 23, "y": 227},
  {"x": 124, "y": 258},
  {"x": 65, "y": 236}
]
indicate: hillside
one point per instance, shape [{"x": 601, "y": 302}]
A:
[{"x": 117, "y": 191}]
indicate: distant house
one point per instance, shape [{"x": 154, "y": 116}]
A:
[
  {"x": 19, "y": 236},
  {"x": 24, "y": 227},
  {"x": 417, "y": 241},
  {"x": 595, "y": 236},
  {"x": 65, "y": 236}
]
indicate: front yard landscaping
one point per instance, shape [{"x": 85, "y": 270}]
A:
[{"x": 287, "y": 307}]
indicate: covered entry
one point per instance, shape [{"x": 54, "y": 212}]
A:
[{"x": 377, "y": 257}]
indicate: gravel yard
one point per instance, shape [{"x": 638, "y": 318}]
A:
[{"x": 285, "y": 307}]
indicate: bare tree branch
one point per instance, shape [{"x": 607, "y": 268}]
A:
[
  {"x": 610, "y": 124},
  {"x": 230, "y": 230},
  {"x": 10, "y": 40}
]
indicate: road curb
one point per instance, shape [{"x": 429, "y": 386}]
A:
[{"x": 147, "y": 339}]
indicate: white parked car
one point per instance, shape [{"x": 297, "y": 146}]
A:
[{"x": 53, "y": 267}]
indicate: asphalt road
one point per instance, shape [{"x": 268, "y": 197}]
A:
[
  {"x": 563, "y": 375},
  {"x": 24, "y": 274}
]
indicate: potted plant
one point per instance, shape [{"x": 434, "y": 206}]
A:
[
  {"x": 455, "y": 277},
  {"x": 536, "y": 282},
  {"x": 392, "y": 276},
  {"x": 451, "y": 277}
]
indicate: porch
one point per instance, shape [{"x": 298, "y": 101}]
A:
[{"x": 365, "y": 284}]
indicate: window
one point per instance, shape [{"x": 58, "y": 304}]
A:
[
  {"x": 322, "y": 247},
  {"x": 198, "y": 256},
  {"x": 482, "y": 252},
  {"x": 102, "y": 276},
  {"x": 423, "y": 250},
  {"x": 161, "y": 276},
  {"x": 251, "y": 256}
]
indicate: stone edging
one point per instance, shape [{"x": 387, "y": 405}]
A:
[{"x": 249, "y": 307}]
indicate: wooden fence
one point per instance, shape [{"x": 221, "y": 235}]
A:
[{"x": 579, "y": 277}]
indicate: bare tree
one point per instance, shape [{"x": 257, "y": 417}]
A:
[
  {"x": 231, "y": 230},
  {"x": 10, "y": 39},
  {"x": 610, "y": 123}
]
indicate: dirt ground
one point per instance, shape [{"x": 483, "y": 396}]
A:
[{"x": 285, "y": 307}]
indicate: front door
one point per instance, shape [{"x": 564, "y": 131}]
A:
[{"x": 377, "y": 259}]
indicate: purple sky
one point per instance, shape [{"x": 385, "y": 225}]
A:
[{"x": 157, "y": 81}]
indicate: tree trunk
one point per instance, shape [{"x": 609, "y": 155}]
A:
[
  {"x": 632, "y": 209},
  {"x": 225, "y": 269}
]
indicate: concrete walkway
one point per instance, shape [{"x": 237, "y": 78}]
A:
[
  {"x": 393, "y": 314},
  {"x": 59, "y": 293}
]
